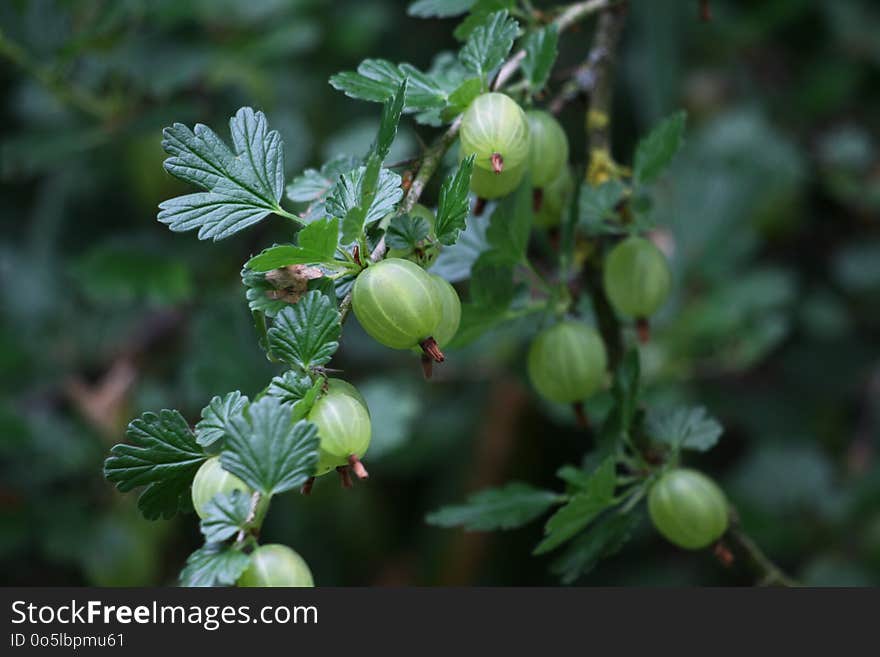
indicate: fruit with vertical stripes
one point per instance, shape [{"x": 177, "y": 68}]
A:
[{"x": 566, "y": 362}]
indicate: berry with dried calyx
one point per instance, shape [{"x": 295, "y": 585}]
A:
[{"x": 494, "y": 129}]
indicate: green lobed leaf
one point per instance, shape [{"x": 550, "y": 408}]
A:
[
  {"x": 439, "y": 8},
  {"x": 214, "y": 564},
  {"x": 511, "y": 225},
  {"x": 462, "y": 97},
  {"x": 296, "y": 389},
  {"x": 163, "y": 456},
  {"x": 453, "y": 205},
  {"x": 508, "y": 507},
  {"x": 313, "y": 185},
  {"x": 596, "y": 206},
  {"x": 684, "y": 428},
  {"x": 480, "y": 11},
  {"x": 267, "y": 450},
  {"x": 489, "y": 44},
  {"x": 241, "y": 187},
  {"x": 306, "y": 334},
  {"x": 541, "y": 51},
  {"x": 225, "y": 515},
  {"x": 391, "y": 113},
  {"x": 406, "y": 232},
  {"x": 377, "y": 80},
  {"x": 345, "y": 200},
  {"x": 607, "y": 536},
  {"x": 316, "y": 244},
  {"x": 211, "y": 429},
  {"x": 581, "y": 509},
  {"x": 655, "y": 151}
]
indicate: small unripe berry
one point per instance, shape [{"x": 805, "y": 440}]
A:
[
  {"x": 343, "y": 424},
  {"x": 548, "y": 151},
  {"x": 556, "y": 199},
  {"x": 636, "y": 277},
  {"x": 210, "y": 480},
  {"x": 494, "y": 128},
  {"x": 276, "y": 565},
  {"x": 396, "y": 303},
  {"x": 688, "y": 508},
  {"x": 566, "y": 362},
  {"x": 488, "y": 185}
]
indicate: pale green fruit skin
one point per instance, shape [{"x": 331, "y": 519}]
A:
[
  {"x": 450, "y": 313},
  {"x": 636, "y": 277},
  {"x": 396, "y": 303},
  {"x": 494, "y": 123},
  {"x": 210, "y": 480},
  {"x": 566, "y": 362},
  {"x": 345, "y": 388},
  {"x": 548, "y": 151},
  {"x": 344, "y": 428},
  {"x": 557, "y": 196},
  {"x": 276, "y": 565},
  {"x": 490, "y": 185},
  {"x": 688, "y": 508}
]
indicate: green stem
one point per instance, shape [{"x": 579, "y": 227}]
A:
[{"x": 281, "y": 212}]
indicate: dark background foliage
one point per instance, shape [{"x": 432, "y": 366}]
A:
[{"x": 772, "y": 210}]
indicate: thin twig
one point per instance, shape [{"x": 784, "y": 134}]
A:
[
  {"x": 569, "y": 16},
  {"x": 769, "y": 574}
]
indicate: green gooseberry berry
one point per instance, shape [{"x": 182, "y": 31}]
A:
[
  {"x": 548, "y": 151},
  {"x": 566, "y": 362},
  {"x": 210, "y": 480},
  {"x": 494, "y": 129},
  {"x": 396, "y": 303},
  {"x": 276, "y": 565},
  {"x": 488, "y": 185},
  {"x": 636, "y": 278},
  {"x": 343, "y": 424},
  {"x": 688, "y": 508}
]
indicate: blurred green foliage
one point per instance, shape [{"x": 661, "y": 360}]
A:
[{"x": 771, "y": 215}]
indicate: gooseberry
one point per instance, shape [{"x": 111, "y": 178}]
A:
[
  {"x": 688, "y": 508},
  {"x": 343, "y": 424},
  {"x": 566, "y": 362},
  {"x": 397, "y": 304},
  {"x": 210, "y": 480},
  {"x": 276, "y": 565},
  {"x": 636, "y": 278},
  {"x": 488, "y": 185},
  {"x": 494, "y": 128},
  {"x": 548, "y": 151},
  {"x": 450, "y": 311}
]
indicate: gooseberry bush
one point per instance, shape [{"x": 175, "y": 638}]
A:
[{"x": 566, "y": 244}]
